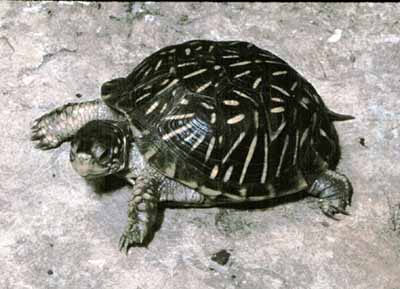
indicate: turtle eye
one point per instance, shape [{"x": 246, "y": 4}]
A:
[
  {"x": 105, "y": 154},
  {"x": 100, "y": 152}
]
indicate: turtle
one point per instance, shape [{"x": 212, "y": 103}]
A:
[{"x": 204, "y": 123}]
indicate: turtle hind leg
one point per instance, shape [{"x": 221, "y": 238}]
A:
[
  {"x": 334, "y": 191},
  {"x": 59, "y": 125}
]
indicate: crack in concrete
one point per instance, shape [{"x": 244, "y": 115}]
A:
[
  {"x": 48, "y": 56},
  {"x": 395, "y": 218},
  {"x": 46, "y": 59},
  {"x": 8, "y": 43},
  {"x": 394, "y": 212}
]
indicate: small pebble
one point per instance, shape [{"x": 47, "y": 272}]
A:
[
  {"x": 337, "y": 34},
  {"x": 183, "y": 19},
  {"x": 221, "y": 257},
  {"x": 325, "y": 224}
]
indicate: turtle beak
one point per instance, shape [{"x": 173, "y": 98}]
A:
[
  {"x": 85, "y": 166},
  {"x": 81, "y": 164}
]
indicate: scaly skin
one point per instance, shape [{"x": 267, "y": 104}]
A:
[
  {"x": 142, "y": 209},
  {"x": 150, "y": 188},
  {"x": 59, "y": 125}
]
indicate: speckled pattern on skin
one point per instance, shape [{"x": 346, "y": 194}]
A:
[{"x": 51, "y": 220}]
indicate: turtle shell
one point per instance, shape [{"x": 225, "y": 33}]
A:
[{"x": 227, "y": 118}]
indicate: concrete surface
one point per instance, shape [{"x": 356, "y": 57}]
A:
[{"x": 57, "y": 232}]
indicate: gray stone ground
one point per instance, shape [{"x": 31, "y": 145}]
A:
[{"x": 56, "y": 232}]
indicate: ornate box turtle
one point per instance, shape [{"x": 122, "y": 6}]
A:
[{"x": 204, "y": 123}]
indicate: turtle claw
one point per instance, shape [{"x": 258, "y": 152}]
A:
[
  {"x": 133, "y": 235},
  {"x": 35, "y": 122},
  {"x": 35, "y": 136},
  {"x": 35, "y": 129},
  {"x": 43, "y": 146},
  {"x": 124, "y": 245},
  {"x": 44, "y": 142},
  {"x": 330, "y": 210}
]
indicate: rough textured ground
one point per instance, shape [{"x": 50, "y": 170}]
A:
[{"x": 56, "y": 232}]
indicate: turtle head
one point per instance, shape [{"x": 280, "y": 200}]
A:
[{"x": 99, "y": 148}]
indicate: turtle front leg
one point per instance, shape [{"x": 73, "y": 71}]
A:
[
  {"x": 57, "y": 126},
  {"x": 334, "y": 191},
  {"x": 142, "y": 209}
]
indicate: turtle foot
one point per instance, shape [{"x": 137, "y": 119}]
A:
[
  {"x": 42, "y": 133},
  {"x": 142, "y": 211},
  {"x": 334, "y": 191},
  {"x": 134, "y": 235}
]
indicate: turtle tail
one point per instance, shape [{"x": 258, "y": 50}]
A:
[{"x": 333, "y": 116}]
